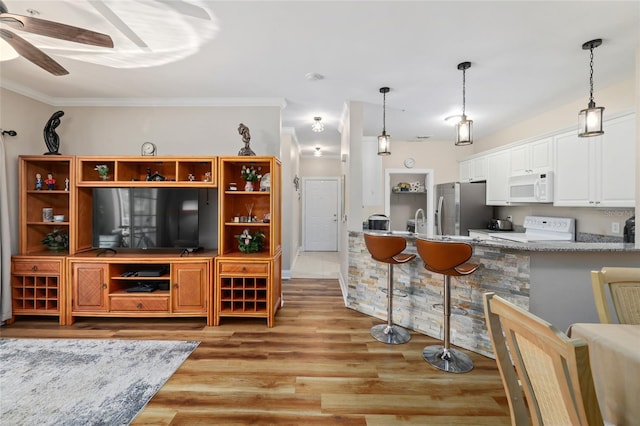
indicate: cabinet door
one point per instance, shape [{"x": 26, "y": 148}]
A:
[
  {"x": 189, "y": 287},
  {"x": 498, "y": 168},
  {"x": 617, "y": 171},
  {"x": 464, "y": 170},
  {"x": 574, "y": 171},
  {"x": 541, "y": 155},
  {"x": 519, "y": 160},
  {"x": 89, "y": 281},
  {"x": 479, "y": 169}
]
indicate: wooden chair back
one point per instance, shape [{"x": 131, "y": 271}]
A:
[
  {"x": 623, "y": 287},
  {"x": 551, "y": 370}
]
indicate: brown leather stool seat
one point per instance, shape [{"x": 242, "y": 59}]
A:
[
  {"x": 448, "y": 258},
  {"x": 388, "y": 249}
]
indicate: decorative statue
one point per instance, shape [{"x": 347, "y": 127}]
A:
[
  {"x": 246, "y": 138},
  {"x": 51, "y": 138},
  {"x": 38, "y": 181}
]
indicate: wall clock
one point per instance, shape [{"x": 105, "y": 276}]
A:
[
  {"x": 409, "y": 163},
  {"x": 148, "y": 148}
]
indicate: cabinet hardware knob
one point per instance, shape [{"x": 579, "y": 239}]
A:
[
  {"x": 34, "y": 268},
  {"x": 244, "y": 269},
  {"x": 139, "y": 305},
  {"x": 104, "y": 285},
  {"x": 175, "y": 285}
]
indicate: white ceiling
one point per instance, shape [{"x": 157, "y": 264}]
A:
[{"x": 526, "y": 58}]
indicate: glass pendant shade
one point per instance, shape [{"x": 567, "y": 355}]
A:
[
  {"x": 590, "y": 121},
  {"x": 384, "y": 144},
  {"x": 464, "y": 132}
]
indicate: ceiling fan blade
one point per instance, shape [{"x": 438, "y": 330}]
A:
[
  {"x": 32, "y": 53},
  {"x": 56, "y": 30}
]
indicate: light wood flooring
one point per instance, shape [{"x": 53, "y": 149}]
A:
[{"x": 317, "y": 366}]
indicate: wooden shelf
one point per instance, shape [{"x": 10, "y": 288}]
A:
[
  {"x": 248, "y": 284},
  {"x": 142, "y": 171}
]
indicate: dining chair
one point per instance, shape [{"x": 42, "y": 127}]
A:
[
  {"x": 622, "y": 286},
  {"x": 551, "y": 370}
]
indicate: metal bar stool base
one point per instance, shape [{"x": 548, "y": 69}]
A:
[
  {"x": 455, "y": 362},
  {"x": 390, "y": 334}
]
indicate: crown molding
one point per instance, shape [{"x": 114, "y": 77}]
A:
[{"x": 144, "y": 102}]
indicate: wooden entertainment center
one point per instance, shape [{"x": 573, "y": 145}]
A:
[{"x": 87, "y": 281}]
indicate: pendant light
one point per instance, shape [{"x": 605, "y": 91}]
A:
[
  {"x": 384, "y": 140},
  {"x": 317, "y": 125},
  {"x": 590, "y": 118},
  {"x": 464, "y": 128}
]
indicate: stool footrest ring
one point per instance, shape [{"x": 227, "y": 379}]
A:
[{"x": 390, "y": 334}]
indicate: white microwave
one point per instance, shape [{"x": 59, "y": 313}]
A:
[{"x": 531, "y": 188}]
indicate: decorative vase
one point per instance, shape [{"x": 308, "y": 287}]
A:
[
  {"x": 55, "y": 247},
  {"x": 248, "y": 186},
  {"x": 104, "y": 177}
]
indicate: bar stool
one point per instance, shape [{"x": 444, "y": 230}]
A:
[
  {"x": 449, "y": 259},
  {"x": 388, "y": 249}
]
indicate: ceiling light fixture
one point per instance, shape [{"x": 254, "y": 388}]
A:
[
  {"x": 317, "y": 125},
  {"x": 384, "y": 140},
  {"x": 317, "y": 153},
  {"x": 590, "y": 118},
  {"x": 464, "y": 128}
]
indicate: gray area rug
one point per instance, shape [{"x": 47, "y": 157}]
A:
[{"x": 83, "y": 382}]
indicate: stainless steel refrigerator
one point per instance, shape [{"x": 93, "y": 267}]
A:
[{"x": 460, "y": 206}]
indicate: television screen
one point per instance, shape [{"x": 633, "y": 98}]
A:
[{"x": 144, "y": 218}]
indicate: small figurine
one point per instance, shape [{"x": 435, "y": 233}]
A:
[
  {"x": 50, "y": 181},
  {"x": 191, "y": 177},
  {"x": 38, "y": 181},
  {"x": 207, "y": 177},
  {"x": 246, "y": 138},
  {"x": 66, "y": 184}
]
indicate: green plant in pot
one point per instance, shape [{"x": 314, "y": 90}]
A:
[
  {"x": 250, "y": 243},
  {"x": 56, "y": 240}
]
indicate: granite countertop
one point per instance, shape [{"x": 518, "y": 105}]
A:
[{"x": 543, "y": 246}]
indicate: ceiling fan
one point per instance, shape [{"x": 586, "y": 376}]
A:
[{"x": 49, "y": 29}]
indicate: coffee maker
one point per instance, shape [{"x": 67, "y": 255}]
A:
[{"x": 629, "y": 235}]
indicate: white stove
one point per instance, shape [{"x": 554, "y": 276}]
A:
[{"x": 542, "y": 228}]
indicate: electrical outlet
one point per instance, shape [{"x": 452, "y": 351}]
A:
[{"x": 615, "y": 227}]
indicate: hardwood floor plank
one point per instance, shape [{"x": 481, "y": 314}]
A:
[{"x": 318, "y": 365}]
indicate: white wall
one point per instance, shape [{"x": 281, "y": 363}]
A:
[
  {"x": 291, "y": 208},
  {"x": 320, "y": 166}
]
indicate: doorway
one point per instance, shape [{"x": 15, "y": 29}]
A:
[{"x": 320, "y": 208}]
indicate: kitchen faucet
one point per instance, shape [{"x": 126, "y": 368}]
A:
[{"x": 419, "y": 212}]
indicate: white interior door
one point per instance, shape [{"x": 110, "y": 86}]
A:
[{"x": 320, "y": 213}]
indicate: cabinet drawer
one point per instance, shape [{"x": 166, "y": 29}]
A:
[
  {"x": 244, "y": 268},
  {"x": 139, "y": 304},
  {"x": 34, "y": 266}
]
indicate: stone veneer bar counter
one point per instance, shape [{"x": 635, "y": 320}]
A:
[{"x": 551, "y": 280}]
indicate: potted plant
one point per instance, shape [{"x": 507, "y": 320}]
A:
[
  {"x": 103, "y": 171},
  {"x": 250, "y": 243},
  {"x": 56, "y": 240},
  {"x": 250, "y": 174}
]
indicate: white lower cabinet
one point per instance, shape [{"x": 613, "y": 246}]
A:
[{"x": 597, "y": 171}]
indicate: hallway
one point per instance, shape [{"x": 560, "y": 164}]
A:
[{"x": 316, "y": 264}]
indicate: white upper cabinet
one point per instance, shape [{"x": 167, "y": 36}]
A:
[
  {"x": 498, "y": 172},
  {"x": 597, "y": 171},
  {"x": 532, "y": 157},
  {"x": 473, "y": 169}
]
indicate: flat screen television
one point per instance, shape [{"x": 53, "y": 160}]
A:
[{"x": 145, "y": 218}]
